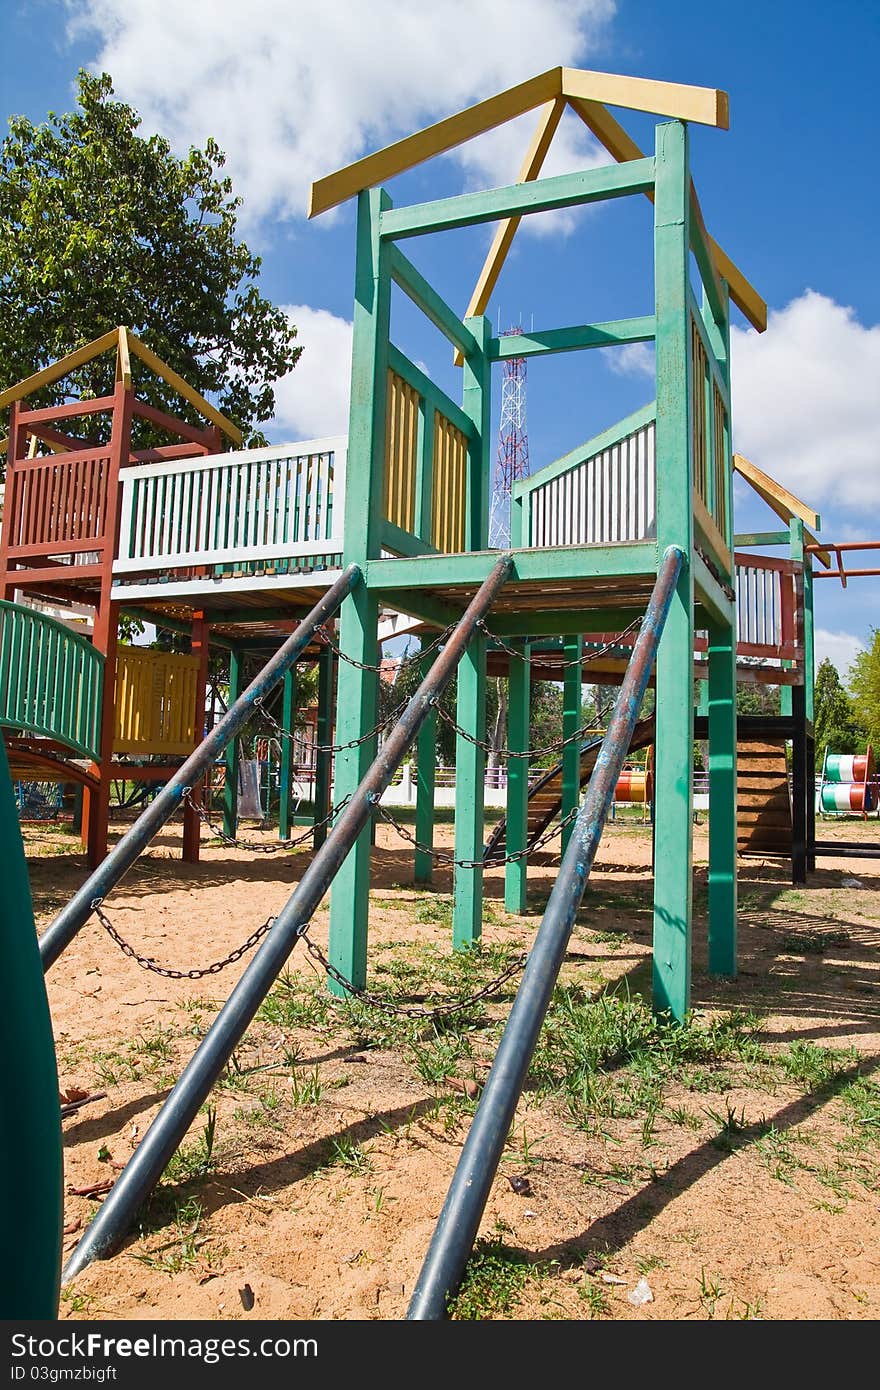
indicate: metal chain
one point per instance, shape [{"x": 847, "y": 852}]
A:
[
  {"x": 148, "y": 963},
  {"x": 330, "y": 747},
  {"x": 368, "y": 666},
  {"x": 235, "y": 843},
  {"x": 578, "y": 661},
  {"x": 511, "y": 752},
  {"x": 494, "y": 861},
  {"x": 378, "y": 1001}
]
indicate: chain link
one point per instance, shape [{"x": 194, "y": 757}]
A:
[
  {"x": 283, "y": 733},
  {"x": 529, "y": 753},
  {"x": 566, "y": 665},
  {"x": 378, "y": 1001},
  {"x": 235, "y": 843},
  {"x": 493, "y": 861},
  {"x": 148, "y": 963},
  {"x": 404, "y": 660}
]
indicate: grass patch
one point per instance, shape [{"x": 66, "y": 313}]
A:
[{"x": 494, "y": 1282}]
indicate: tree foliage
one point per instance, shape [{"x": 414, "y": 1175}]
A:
[
  {"x": 101, "y": 226},
  {"x": 836, "y": 724},
  {"x": 864, "y": 684}
]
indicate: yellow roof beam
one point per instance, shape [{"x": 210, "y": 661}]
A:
[
  {"x": 610, "y": 133},
  {"x": 436, "y": 139},
  {"x": 785, "y": 504},
  {"x": 125, "y": 342},
  {"x": 706, "y": 105},
  {"x": 183, "y": 388},
  {"x": 506, "y": 230},
  {"x": 48, "y": 375}
]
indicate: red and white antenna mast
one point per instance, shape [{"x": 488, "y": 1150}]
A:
[{"x": 512, "y": 460}]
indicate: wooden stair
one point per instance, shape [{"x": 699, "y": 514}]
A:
[{"x": 763, "y": 803}]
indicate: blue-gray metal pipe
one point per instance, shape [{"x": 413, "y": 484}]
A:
[
  {"x": 459, "y": 1220},
  {"x": 150, "y": 1159},
  {"x": 71, "y": 918}
]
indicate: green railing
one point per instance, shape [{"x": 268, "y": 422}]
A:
[{"x": 50, "y": 680}]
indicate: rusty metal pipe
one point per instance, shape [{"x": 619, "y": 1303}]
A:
[{"x": 460, "y": 1218}]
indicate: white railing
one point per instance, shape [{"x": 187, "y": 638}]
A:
[
  {"x": 286, "y": 501},
  {"x": 601, "y": 499}
]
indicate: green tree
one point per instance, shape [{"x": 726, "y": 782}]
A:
[
  {"x": 835, "y": 724},
  {"x": 864, "y": 684},
  {"x": 100, "y": 226}
]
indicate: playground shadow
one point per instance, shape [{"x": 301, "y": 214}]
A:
[
  {"x": 611, "y": 1232},
  {"x": 223, "y": 1190},
  {"x": 89, "y": 1130}
]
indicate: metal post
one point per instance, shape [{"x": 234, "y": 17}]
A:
[
  {"x": 323, "y": 770},
  {"x": 460, "y": 1218},
  {"x": 180, "y": 1109},
  {"x": 65, "y": 926},
  {"x": 285, "y": 779},
  {"x": 572, "y": 696}
]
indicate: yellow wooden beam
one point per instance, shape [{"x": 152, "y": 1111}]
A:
[
  {"x": 506, "y": 230},
  {"x": 784, "y": 503},
  {"x": 610, "y": 133},
  {"x": 743, "y": 294},
  {"x": 183, "y": 388},
  {"x": 123, "y": 358},
  {"x": 706, "y": 105},
  {"x": 435, "y": 139},
  {"x": 57, "y": 370}
]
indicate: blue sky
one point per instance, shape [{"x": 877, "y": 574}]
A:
[{"x": 295, "y": 88}]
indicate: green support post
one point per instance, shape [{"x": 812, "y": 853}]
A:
[
  {"x": 516, "y": 835},
  {"x": 30, "y": 1134},
  {"x": 426, "y": 762},
  {"x": 675, "y": 658},
  {"x": 722, "y": 800},
  {"x": 230, "y": 784},
  {"x": 324, "y": 737},
  {"x": 470, "y": 772},
  {"x": 288, "y": 708},
  {"x": 357, "y": 691},
  {"x": 572, "y": 696}
]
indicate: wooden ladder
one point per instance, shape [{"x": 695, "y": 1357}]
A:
[{"x": 763, "y": 803}]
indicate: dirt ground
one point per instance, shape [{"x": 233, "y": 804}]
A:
[{"x": 733, "y": 1173}]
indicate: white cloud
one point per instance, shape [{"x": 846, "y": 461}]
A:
[
  {"x": 635, "y": 359},
  {"x": 841, "y": 648},
  {"x": 293, "y": 92},
  {"x": 805, "y": 401},
  {"x": 311, "y": 402}
]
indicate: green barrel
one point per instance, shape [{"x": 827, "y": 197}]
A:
[{"x": 30, "y": 1116}]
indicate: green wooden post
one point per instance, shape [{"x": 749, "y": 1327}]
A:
[
  {"x": 30, "y": 1136},
  {"x": 470, "y": 760},
  {"x": 230, "y": 785},
  {"x": 572, "y": 695},
  {"x": 518, "y": 698},
  {"x": 675, "y": 657},
  {"x": 722, "y": 799},
  {"x": 357, "y": 691},
  {"x": 470, "y": 771},
  {"x": 285, "y": 782},
  {"x": 426, "y": 762},
  {"x": 324, "y": 737}
]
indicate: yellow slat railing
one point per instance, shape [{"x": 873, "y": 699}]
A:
[{"x": 155, "y": 701}]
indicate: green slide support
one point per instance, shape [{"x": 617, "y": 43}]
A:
[{"x": 30, "y": 1116}]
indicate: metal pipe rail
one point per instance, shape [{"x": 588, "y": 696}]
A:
[
  {"x": 460, "y": 1218},
  {"x": 150, "y": 1159},
  {"x": 71, "y": 918}
]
